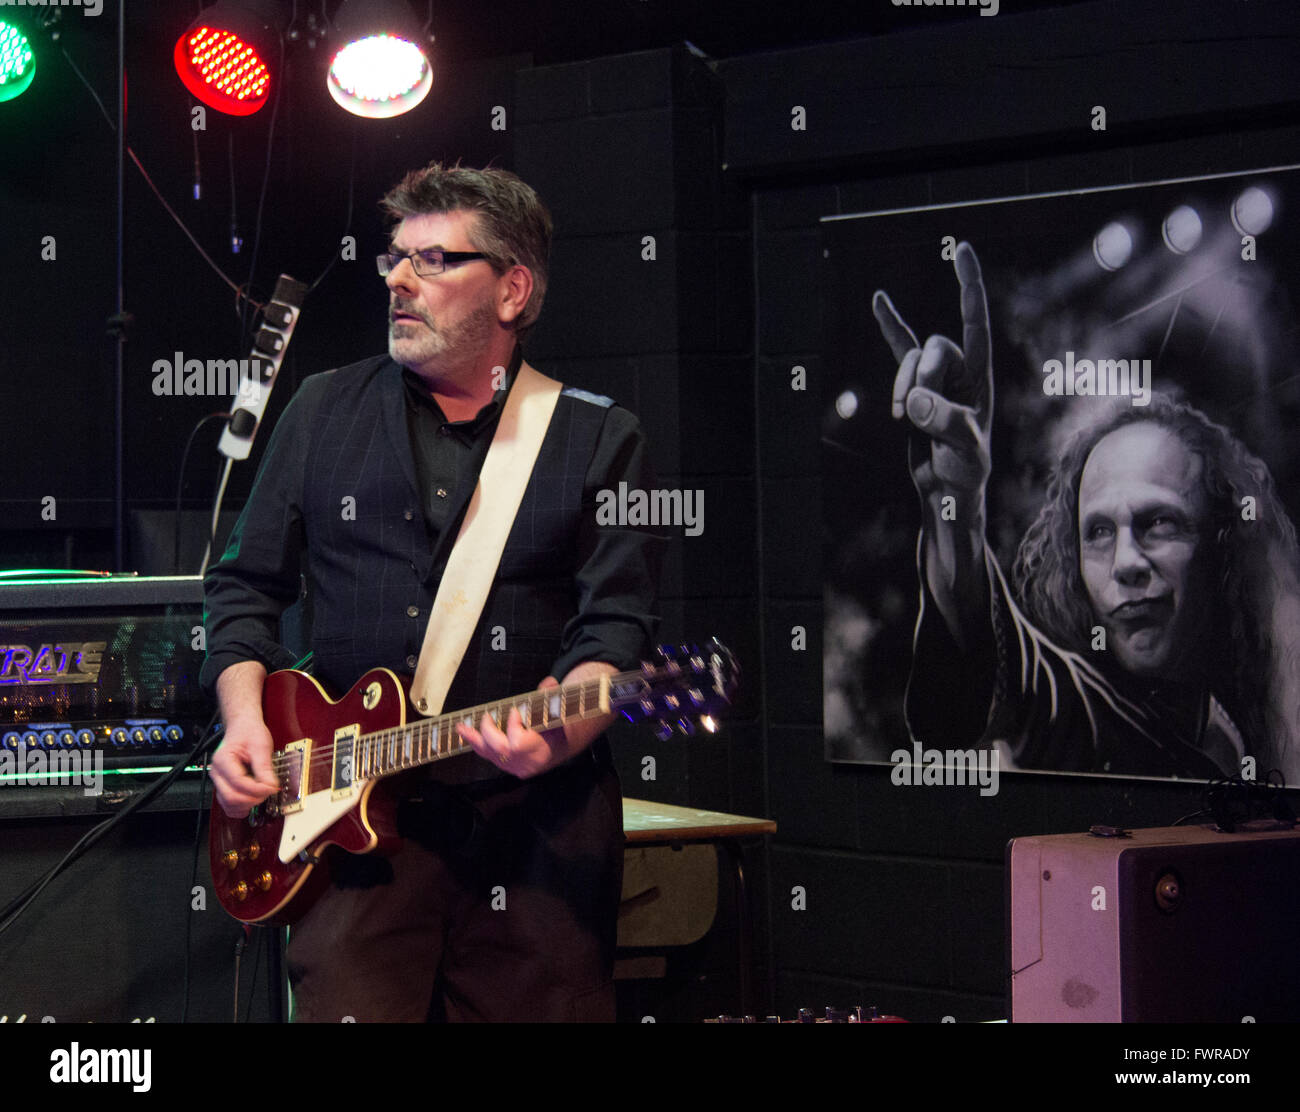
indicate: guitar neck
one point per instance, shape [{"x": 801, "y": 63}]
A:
[{"x": 426, "y": 740}]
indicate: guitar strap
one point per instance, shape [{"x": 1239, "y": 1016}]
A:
[{"x": 474, "y": 559}]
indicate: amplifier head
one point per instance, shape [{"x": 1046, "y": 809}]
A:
[{"x": 110, "y": 663}]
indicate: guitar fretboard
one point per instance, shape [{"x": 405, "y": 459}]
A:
[{"x": 433, "y": 739}]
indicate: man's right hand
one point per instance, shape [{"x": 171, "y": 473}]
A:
[{"x": 241, "y": 770}]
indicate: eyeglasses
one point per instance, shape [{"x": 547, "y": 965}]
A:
[{"x": 427, "y": 263}]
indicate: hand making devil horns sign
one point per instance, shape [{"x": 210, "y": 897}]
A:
[{"x": 946, "y": 392}]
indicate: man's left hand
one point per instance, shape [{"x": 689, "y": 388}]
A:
[{"x": 525, "y": 753}]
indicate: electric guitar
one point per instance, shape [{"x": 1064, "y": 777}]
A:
[{"x": 331, "y": 758}]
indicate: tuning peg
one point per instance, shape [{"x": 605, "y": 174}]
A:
[
  {"x": 686, "y": 727},
  {"x": 665, "y": 650},
  {"x": 671, "y": 702},
  {"x": 663, "y": 731},
  {"x": 647, "y": 704},
  {"x": 696, "y": 696}
]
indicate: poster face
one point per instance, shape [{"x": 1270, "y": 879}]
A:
[{"x": 1061, "y": 452}]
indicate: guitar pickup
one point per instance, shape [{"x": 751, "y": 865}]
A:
[
  {"x": 292, "y": 762},
  {"x": 343, "y": 771}
]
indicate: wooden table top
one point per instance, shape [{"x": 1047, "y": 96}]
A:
[{"x": 645, "y": 822}]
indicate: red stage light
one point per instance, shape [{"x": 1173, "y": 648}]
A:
[{"x": 221, "y": 59}]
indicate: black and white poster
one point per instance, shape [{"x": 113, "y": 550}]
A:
[{"x": 1061, "y": 460}]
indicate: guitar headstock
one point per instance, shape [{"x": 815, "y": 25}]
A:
[{"x": 687, "y": 684}]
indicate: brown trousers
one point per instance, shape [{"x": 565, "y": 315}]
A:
[{"x": 501, "y": 906}]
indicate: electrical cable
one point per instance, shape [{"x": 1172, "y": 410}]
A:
[
  {"x": 180, "y": 484},
  {"x": 239, "y": 293}
]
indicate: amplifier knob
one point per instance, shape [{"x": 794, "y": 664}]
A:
[
  {"x": 175, "y": 734},
  {"x": 119, "y": 736},
  {"x": 85, "y": 738},
  {"x": 264, "y": 881},
  {"x": 138, "y": 736},
  {"x": 49, "y": 740},
  {"x": 31, "y": 740},
  {"x": 68, "y": 740},
  {"x": 12, "y": 740},
  {"x": 231, "y": 858},
  {"x": 156, "y": 736}
]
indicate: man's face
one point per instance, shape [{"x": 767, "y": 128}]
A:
[
  {"x": 451, "y": 314},
  {"x": 1142, "y": 549}
]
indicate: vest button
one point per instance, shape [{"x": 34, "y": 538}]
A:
[
  {"x": 409, "y": 515},
  {"x": 411, "y": 662},
  {"x": 412, "y": 611}
]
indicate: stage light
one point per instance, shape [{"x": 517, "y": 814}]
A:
[
  {"x": 1252, "y": 212},
  {"x": 17, "y": 62},
  {"x": 224, "y": 56},
  {"x": 380, "y": 69},
  {"x": 1113, "y": 246},
  {"x": 1181, "y": 230}
]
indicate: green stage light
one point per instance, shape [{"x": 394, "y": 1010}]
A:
[{"x": 17, "y": 62}]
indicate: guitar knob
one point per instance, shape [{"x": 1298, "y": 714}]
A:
[
  {"x": 264, "y": 881},
  {"x": 241, "y": 891},
  {"x": 253, "y": 852},
  {"x": 231, "y": 858}
]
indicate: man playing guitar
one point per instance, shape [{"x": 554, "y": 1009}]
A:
[{"x": 501, "y": 902}]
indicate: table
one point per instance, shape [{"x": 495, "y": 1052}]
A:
[{"x": 646, "y": 823}]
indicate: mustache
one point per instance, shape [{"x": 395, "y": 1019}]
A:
[{"x": 408, "y": 308}]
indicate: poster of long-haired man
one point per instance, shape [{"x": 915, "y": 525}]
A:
[{"x": 1060, "y": 470}]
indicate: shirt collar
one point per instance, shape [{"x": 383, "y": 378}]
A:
[{"x": 417, "y": 390}]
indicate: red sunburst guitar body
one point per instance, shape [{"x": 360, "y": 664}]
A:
[{"x": 248, "y": 851}]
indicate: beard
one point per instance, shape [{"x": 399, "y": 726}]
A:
[{"x": 416, "y": 345}]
